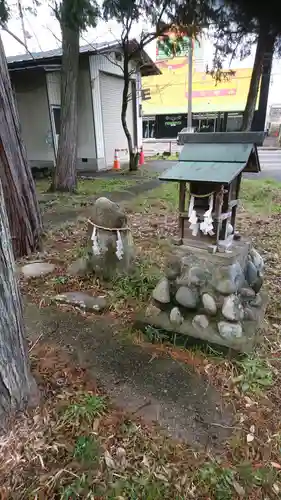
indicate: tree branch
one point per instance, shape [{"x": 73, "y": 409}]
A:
[
  {"x": 115, "y": 63},
  {"x": 54, "y": 35},
  {"x": 5, "y": 28}
]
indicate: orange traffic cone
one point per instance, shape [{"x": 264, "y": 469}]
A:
[
  {"x": 116, "y": 164},
  {"x": 141, "y": 160}
]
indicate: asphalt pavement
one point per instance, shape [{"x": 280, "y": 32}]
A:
[{"x": 270, "y": 162}]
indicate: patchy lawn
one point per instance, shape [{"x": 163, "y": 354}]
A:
[
  {"x": 90, "y": 187},
  {"x": 112, "y": 181},
  {"x": 77, "y": 445},
  {"x": 257, "y": 196},
  {"x": 261, "y": 196}
]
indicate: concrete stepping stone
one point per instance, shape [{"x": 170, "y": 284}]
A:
[
  {"x": 83, "y": 300},
  {"x": 37, "y": 269}
]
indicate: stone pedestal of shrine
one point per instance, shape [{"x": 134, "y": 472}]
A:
[
  {"x": 212, "y": 287},
  {"x": 216, "y": 298}
]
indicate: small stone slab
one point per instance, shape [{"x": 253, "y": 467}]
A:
[
  {"x": 82, "y": 300},
  {"x": 37, "y": 269}
]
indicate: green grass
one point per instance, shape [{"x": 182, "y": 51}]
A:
[
  {"x": 87, "y": 449},
  {"x": 261, "y": 196},
  {"x": 223, "y": 482},
  {"x": 141, "y": 488},
  {"x": 95, "y": 186},
  {"x": 138, "y": 284},
  {"x": 163, "y": 198},
  {"x": 256, "y": 375},
  {"x": 90, "y": 187},
  {"x": 132, "y": 488},
  {"x": 85, "y": 409},
  {"x": 76, "y": 489},
  {"x": 217, "y": 480}
]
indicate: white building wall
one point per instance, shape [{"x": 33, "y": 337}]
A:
[
  {"x": 53, "y": 85},
  {"x": 31, "y": 96},
  {"x": 86, "y": 132},
  {"x": 139, "y": 109},
  {"x": 101, "y": 64},
  {"x": 36, "y": 93}
]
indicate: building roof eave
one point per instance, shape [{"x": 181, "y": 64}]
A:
[{"x": 53, "y": 57}]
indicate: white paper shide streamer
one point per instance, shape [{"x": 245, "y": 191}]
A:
[
  {"x": 192, "y": 217},
  {"x": 119, "y": 246},
  {"x": 96, "y": 247},
  {"x": 207, "y": 225}
]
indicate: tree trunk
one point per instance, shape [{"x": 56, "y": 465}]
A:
[
  {"x": 255, "y": 80},
  {"x": 17, "y": 181},
  {"x": 133, "y": 156},
  {"x": 65, "y": 176},
  {"x": 17, "y": 386},
  {"x": 260, "y": 115}
]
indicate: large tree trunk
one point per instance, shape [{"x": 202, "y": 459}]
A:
[
  {"x": 133, "y": 155},
  {"x": 17, "y": 386},
  {"x": 260, "y": 115},
  {"x": 18, "y": 184},
  {"x": 255, "y": 79},
  {"x": 65, "y": 177}
]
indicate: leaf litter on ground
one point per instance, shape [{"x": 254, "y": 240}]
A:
[{"x": 250, "y": 461}]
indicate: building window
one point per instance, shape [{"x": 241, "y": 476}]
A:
[
  {"x": 234, "y": 122},
  {"x": 57, "y": 119},
  {"x": 118, "y": 56},
  {"x": 148, "y": 127}
]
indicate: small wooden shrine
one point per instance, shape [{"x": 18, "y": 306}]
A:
[{"x": 212, "y": 164}]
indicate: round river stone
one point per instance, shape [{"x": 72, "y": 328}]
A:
[
  {"x": 175, "y": 316},
  {"x": 209, "y": 303},
  {"x": 230, "y": 330},
  {"x": 200, "y": 321},
  {"x": 187, "y": 297},
  {"x": 232, "y": 308},
  {"x": 161, "y": 292}
]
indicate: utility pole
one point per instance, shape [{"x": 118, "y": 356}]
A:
[
  {"x": 189, "y": 94},
  {"x": 22, "y": 25}
]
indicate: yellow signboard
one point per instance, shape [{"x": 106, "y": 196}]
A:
[{"x": 169, "y": 90}]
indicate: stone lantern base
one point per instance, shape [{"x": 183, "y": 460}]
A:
[{"x": 212, "y": 297}]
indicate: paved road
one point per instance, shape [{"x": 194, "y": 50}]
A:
[{"x": 270, "y": 161}]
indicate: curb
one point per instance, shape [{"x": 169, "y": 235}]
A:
[{"x": 270, "y": 148}]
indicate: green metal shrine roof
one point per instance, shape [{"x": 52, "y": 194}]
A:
[
  {"x": 203, "y": 171},
  {"x": 213, "y": 163}
]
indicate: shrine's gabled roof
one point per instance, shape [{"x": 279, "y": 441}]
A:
[
  {"x": 215, "y": 162},
  {"x": 204, "y": 171}
]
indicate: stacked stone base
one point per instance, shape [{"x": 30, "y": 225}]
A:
[{"x": 212, "y": 297}]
